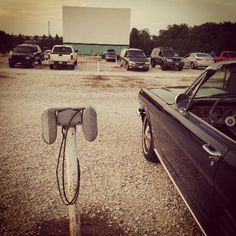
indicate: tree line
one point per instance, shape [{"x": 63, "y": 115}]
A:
[
  {"x": 9, "y": 41},
  {"x": 184, "y": 39}
]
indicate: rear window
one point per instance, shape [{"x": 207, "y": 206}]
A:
[{"x": 62, "y": 50}]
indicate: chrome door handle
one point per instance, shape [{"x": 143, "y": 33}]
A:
[{"x": 213, "y": 154}]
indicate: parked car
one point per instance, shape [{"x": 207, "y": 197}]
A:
[
  {"x": 198, "y": 59},
  {"x": 62, "y": 56},
  {"x": 111, "y": 56},
  {"x": 133, "y": 58},
  {"x": 226, "y": 55},
  {"x": 167, "y": 58},
  {"x": 25, "y": 54},
  {"x": 192, "y": 132}
]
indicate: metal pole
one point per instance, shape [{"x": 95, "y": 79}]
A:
[{"x": 72, "y": 178}]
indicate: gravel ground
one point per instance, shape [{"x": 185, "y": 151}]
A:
[{"x": 121, "y": 193}]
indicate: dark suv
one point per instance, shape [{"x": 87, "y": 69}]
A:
[
  {"x": 25, "y": 54},
  {"x": 166, "y": 58},
  {"x": 133, "y": 58}
]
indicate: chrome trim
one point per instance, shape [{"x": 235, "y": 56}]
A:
[{"x": 159, "y": 157}]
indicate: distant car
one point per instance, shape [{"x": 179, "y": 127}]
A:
[
  {"x": 133, "y": 58},
  {"x": 192, "y": 132},
  {"x": 111, "y": 56},
  {"x": 167, "y": 58},
  {"x": 25, "y": 54},
  {"x": 226, "y": 55},
  {"x": 198, "y": 59}
]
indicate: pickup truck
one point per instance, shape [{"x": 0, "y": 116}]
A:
[
  {"x": 226, "y": 55},
  {"x": 62, "y": 56}
]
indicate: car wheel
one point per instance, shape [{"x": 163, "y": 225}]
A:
[
  {"x": 40, "y": 62},
  {"x": 192, "y": 65},
  {"x": 51, "y": 67},
  {"x": 180, "y": 68},
  {"x": 11, "y": 65},
  {"x": 163, "y": 66},
  {"x": 147, "y": 141},
  {"x": 31, "y": 65},
  {"x": 72, "y": 67},
  {"x": 127, "y": 66},
  {"x": 76, "y": 62},
  {"x": 152, "y": 64}
]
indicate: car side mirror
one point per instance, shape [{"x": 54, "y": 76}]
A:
[{"x": 182, "y": 101}]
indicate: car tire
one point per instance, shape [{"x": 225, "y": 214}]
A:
[
  {"x": 76, "y": 62},
  {"x": 11, "y": 65},
  {"x": 31, "y": 65},
  {"x": 180, "y": 68},
  {"x": 192, "y": 66},
  {"x": 163, "y": 66},
  {"x": 152, "y": 63},
  {"x": 147, "y": 141},
  {"x": 127, "y": 66},
  {"x": 72, "y": 67},
  {"x": 40, "y": 62},
  {"x": 51, "y": 67}
]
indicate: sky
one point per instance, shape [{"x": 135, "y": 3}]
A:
[{"x": 31, "y": 17}]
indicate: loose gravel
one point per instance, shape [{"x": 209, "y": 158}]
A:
[{"x": 121, "y": 193}]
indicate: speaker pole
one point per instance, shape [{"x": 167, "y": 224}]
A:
[{"x": 72, "y": 181}]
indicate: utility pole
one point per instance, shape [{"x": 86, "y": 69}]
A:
[{"x": 48, "y": 28}]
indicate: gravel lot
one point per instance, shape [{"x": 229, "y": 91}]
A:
[{"x": 121, "y": 193}]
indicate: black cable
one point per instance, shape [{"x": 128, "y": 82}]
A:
[{"x": 61, "y": 189}]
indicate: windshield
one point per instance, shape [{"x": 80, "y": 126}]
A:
[
  {"x": 170, "y": 53},
  {"x": 62, "y": 50},
  {"x": 221, "y": 83},
  {"x": 24, "y": 49},
  {"x": 136, "y": 53}
]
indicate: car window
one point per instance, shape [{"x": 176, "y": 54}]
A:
[
  {"x": 203, "y": 55},
  {"x": 215, "y": 86},
  {"x": 63, "y": 50},
  {"x": 232, "y": 54}
]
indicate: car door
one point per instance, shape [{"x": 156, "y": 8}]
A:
[
  {"x": 186, "y": 146},
  {"x": 225, "y": 193}
]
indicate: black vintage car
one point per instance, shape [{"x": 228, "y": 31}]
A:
[
  {"x": 192, "y": 132},
  {"x": 25, "y": 54}
]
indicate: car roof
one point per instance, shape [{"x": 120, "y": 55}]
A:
[
  {"x": 134, "y": 49},
  {"x": 27, "y": 45},
  {"x": 220, "y": 64},
  {"x": 62, "y": 45}
]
